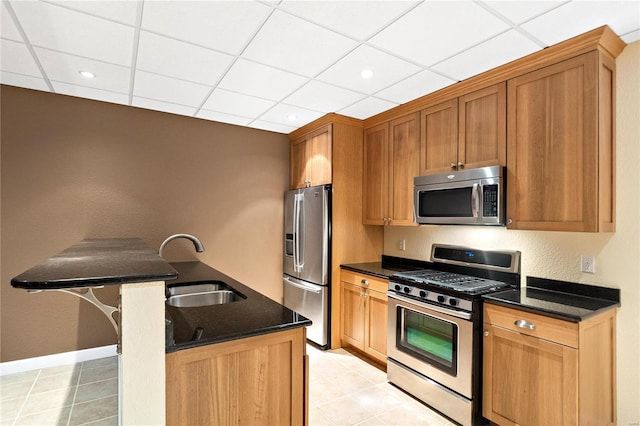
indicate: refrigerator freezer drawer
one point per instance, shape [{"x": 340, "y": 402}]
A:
[{"x": 312, "y": 301}]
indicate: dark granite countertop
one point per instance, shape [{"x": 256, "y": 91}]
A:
[
  {"x": 558, "y": 299},
  {"x": 387, "y": 266},
  {"x": 97, "y": 262},
  {"x": 252, "y": 316}
]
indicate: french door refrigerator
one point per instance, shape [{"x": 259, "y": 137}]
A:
[{"x": 307, "y": 254}]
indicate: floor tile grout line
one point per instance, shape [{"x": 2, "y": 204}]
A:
[
  {"x": 75, "y": 395},
  {"x": 26, "y": 397}
]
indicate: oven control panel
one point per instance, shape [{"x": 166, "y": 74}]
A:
[{"x": 430, "y": 296}]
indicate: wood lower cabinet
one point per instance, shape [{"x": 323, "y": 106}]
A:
[
  {"x": 391, "y": 162},
  {"x": 561, "y": 150},
  {"x": 259, "y": 380},
  {"x": 465, "y": 132},
  {"x": 558, "y": 373},
  {"x": 364, "y": 314},
  {"x": 311, "y": 158}
]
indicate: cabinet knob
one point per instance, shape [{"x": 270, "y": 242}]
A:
[
  {"x": 486, "y": 333},
  {"x": 525, "y": 324},
  {"x": 453, "y": 166},
  {"x": 364, "y": 282},
  {"x": 509, "y": 221},
  {"x": 460, "y": 165}
]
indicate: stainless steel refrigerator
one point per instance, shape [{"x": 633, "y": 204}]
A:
[{"x": 307, "y": 254}]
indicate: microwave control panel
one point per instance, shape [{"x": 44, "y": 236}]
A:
[{"x": 490, "y": 201}]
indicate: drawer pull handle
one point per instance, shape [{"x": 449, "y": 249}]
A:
[
  {"x": 364, "y": 282},
  {"x": 525, "y": 324}
]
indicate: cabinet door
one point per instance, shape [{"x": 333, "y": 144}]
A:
[
  {"x": 298, "y": 163},
  {"x": 352, "y": 314},
  {"x": 375, "y": 175},
  {"x": 404, "y": 165},
  {"x": 528, "y": 381},
  {"x": 482, "y": 127},
  {"x": 319, "y": 156},
  {"x": 552, "y": 181},
  {"x": 439, "y": 137},
  {"x": 376, "y": 325}
]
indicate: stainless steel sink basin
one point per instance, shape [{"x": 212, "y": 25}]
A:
[{"x": 205, "y": 293}]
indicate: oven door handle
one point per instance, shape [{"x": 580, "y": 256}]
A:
[{"x": 435, "y": 308}]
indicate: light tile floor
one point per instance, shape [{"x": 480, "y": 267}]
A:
[{"x": 344, "y": 390}]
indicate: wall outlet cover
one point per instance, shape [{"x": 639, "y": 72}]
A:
[{"x": 588, "y": 264}]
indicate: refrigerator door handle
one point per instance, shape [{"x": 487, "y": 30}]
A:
[
  {"x": 297, "y": 218},
  {"x": 305, "y": 287}
]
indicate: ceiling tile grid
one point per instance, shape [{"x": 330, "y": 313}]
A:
[{"x": 277, "y": 65}]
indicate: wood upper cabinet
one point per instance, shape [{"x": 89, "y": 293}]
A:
[
  {"x": 558, "y": 373},
  {"x": 560, "y": 146},
  {"x": 311, "y": 158},
  {"x": 364, "y": 313},
  {"x": 391, "y": 162},
  {"x": 465, "y": 132}
]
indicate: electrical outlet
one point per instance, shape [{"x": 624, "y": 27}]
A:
[
  {"x": 588, "y": 263},
  {"x": 402, "y": 245}
]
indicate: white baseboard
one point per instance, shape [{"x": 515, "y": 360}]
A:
[{"x": 54, "y": 360}]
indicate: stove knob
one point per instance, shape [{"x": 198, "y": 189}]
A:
[
  {"x": 407, "y": 290},
  {"x": 453, "y": 302},
  {"x": 398, "y": 287},
  {"x": 423, "y": 293},
  {"x": 441, "y": 298}
]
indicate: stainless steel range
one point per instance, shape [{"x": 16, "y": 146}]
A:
[{"x": 435, "y": 322}]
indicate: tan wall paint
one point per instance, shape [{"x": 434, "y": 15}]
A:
[
  {"x": 74, "y": 168},
  {"x": 556, "y": 255}
]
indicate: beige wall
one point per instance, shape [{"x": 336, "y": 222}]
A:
[
  {"x": 74, "y": 168},
  {"x": 556, "y": 255}
]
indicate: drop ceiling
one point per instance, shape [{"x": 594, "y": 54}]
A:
[{"x": 277, "y": 65}]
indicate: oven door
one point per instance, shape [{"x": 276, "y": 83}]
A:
[{"x": 434, "y": 341}]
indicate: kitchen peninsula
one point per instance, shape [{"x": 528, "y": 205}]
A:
[{"x": 246, "y": 347}]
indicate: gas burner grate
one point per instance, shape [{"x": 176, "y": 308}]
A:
[{"x": 450, "y": 280}]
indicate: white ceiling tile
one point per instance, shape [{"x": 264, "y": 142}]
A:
[
  {"x": 236, "y": 104},
  {"x": 324, "y": 97},
  {"x": 90, "y": 93},
  {"x": 436, "y": 30},
  {"x": 121, "y": 11},
  {"x": 260, "y": 80},
  {"x": 289, "y": 43},
  {"x": 66, "y": 68},
  {"x": 367, "y": 107},
  {"x": 8, "y": 28},
  {"x": 15, "y": 57},
  {"x": 162, "y": 106},
  {"x": 73, "y": 32},
  {"x": 578, "y": 17},
  {"x": 166, "y": 89},
  {"x": 222, "y": 25},
  {"x": 272, "y": 127},
  {"x": 499, "y": 50},
  {"x": 20, "y": 80},
  {"x": 357, "y": 19},
  {"x": 174, "y": 58},
  {"x": 519, "y": 11},
  {"x": 281, "y": 114},
  {"x": 631, "y": 36},
  {"x": 414, "y": 87},
  {"x": 386, "y": 69},
  {"x": 223, "y": 118}
]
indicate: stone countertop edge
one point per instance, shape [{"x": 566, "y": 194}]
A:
[
  {"x": 253, "y": 316},
  {"x": 388, "y": 266},
  {"x": 563, "y": 300},
  {"x": 97, "y": 262}
]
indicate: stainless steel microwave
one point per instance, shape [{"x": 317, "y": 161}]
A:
[{"x": 465, "y": 197}]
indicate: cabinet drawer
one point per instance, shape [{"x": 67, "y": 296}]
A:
[
  {"x": 364, "y": 280},
  {"x": 547, "y": 328}
]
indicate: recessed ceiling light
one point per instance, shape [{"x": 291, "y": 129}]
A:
[
  {"x": 87, "y": 74},
  {"x": 366, "y": 73},
  {"x": 292, "y": 117}
]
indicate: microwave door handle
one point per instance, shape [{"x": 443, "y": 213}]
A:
[{"x": 475, "y": 200}]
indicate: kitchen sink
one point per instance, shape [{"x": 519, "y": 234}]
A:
[{"x": 205, "y": 293}]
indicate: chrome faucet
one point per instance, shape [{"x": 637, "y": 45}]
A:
[{"x": 196, "y": 242}]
